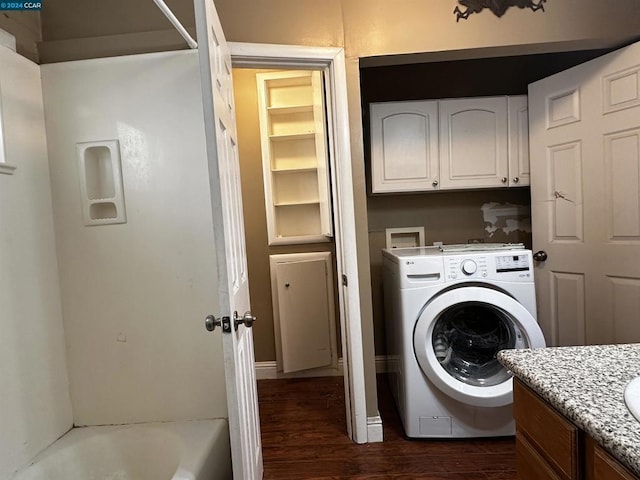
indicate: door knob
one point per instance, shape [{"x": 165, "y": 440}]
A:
[
  {"x": 540, "y": 256},
  {"x": 247, "y": 319},
  {"x": 211, "y": 322}
]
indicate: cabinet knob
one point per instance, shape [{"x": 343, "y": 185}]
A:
[
  {"x": 435, "y": 183},
  {"x": 516, "y": 179},
  {"x": 504, "y": 179}
]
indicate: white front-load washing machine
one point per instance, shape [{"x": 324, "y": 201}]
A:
[{"x": 448, "y": 311}]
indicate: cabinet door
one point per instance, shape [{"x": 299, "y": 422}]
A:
[
  {"x": 518, "y": 141},
  {"x": 304, "y": 311},
  {"x": 404, "y": 146},
  {"x": 473, "y": 143}
]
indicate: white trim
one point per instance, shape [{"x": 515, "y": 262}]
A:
[
  {"x": 269, "y": 370},
  {"x": 374, "y": 429},
  {"x": 7, "y": 40},
  {"x": 280, "y": 56},
  {"x": 7, "y": 169},
  {"x": 381, "y": 364},
  {"x": 333, "y": 60}
]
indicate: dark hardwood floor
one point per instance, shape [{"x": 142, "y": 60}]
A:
[{"x": 304, "y": 437}]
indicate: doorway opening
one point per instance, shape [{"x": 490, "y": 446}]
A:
[{"x": 330, "y": 63}]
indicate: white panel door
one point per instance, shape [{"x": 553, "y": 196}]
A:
[
  {"x": 585, "y": 193},
  {"x": 473, "y": 143},
  {"x": 226, "y": 201}
]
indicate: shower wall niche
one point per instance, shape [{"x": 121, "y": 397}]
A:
[{"x": 101, "y": 182}]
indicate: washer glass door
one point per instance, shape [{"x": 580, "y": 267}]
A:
[
  {"x": 458, "y": 335},
  {"x": 466, "y": 339}
]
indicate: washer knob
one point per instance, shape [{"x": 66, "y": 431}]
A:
[{"x": 469, "y": 267}]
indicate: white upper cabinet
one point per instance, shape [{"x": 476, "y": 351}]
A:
[
  {"x": 294, "y": 156},
  {"x": 461, "y": 143},
  {"x": 473, "y": 143},
  {"x": 404, "y": 146},
  {"x": 518, "y": 141}
]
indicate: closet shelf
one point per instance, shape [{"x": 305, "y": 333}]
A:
[
  {"x": 290, "y": 109},
  {"x": 292, "y": 136},
  {"x": 294, "y": 170},
  {"x": 297, "y": 203},
  {"x": 294, "y": 156}
]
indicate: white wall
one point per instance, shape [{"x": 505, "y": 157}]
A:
[
  {"x": 135, "y": 295},
  {"x": 34, "y": 401}
]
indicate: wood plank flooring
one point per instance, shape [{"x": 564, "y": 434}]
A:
[{"x": 304, "y": 437}]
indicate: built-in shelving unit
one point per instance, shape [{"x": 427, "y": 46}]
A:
[{"x": 294, "y": 156}]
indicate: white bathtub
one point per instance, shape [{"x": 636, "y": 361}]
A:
[{"x": 197, "y": 450}]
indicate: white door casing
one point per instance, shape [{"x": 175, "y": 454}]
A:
[
  {"x": 332, "y": 60},
  {"x": 228, "y": 224},
  {"x": 585, "y": 196}
]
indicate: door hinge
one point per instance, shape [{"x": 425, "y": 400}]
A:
[{"x": 344, "y": 280}]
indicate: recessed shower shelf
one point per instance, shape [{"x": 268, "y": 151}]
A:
[{"x": 101, "y": 182}]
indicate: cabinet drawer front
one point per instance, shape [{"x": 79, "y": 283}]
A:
[
  {"x": 530, "y": 464},
  {"x": 555, "y": 438},
  {"x": 605, "y": 467}
]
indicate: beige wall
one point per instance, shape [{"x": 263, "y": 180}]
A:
[
  {"x": 380, "y": 27},
  {"x": 135, "y": 295},
  {"x": 255, "y": 219},
  {"x": 34, "y": 397}
]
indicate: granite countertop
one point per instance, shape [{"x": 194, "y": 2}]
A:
[{"x": 586, "y": 384}]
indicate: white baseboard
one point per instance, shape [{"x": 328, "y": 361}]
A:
[
  {"x": 269, "y": 370},
  {"x": 374, "y": 429}
]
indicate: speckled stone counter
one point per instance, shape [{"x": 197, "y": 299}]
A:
[{"x": 586, "y": 384}]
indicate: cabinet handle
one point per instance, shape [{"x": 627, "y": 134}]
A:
[
  {"x": 435, "y": 183},
  {"x": 504, "y": 179},
  {"x": 516, "y": 179}
]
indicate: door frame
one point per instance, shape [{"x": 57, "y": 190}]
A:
[{"x": 332, "y": 60}]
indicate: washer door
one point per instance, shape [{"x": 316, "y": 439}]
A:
[{"x": 458, "y": 335}]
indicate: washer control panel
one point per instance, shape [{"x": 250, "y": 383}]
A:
[
  {"x": 459, "y": 267},
  {"x": 512, "y": 263},
  {"x": 512, "y": 266}
]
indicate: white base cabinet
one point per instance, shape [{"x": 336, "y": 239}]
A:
[
  {"x": 449, "y": 144},
  {"x": 303, "y": 311}
]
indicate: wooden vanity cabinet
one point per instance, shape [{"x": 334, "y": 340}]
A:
[
  {"x": 551, "y": 447},
  {"x": 601, "y": 465},
  {"x": 547, "y": 444}
]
